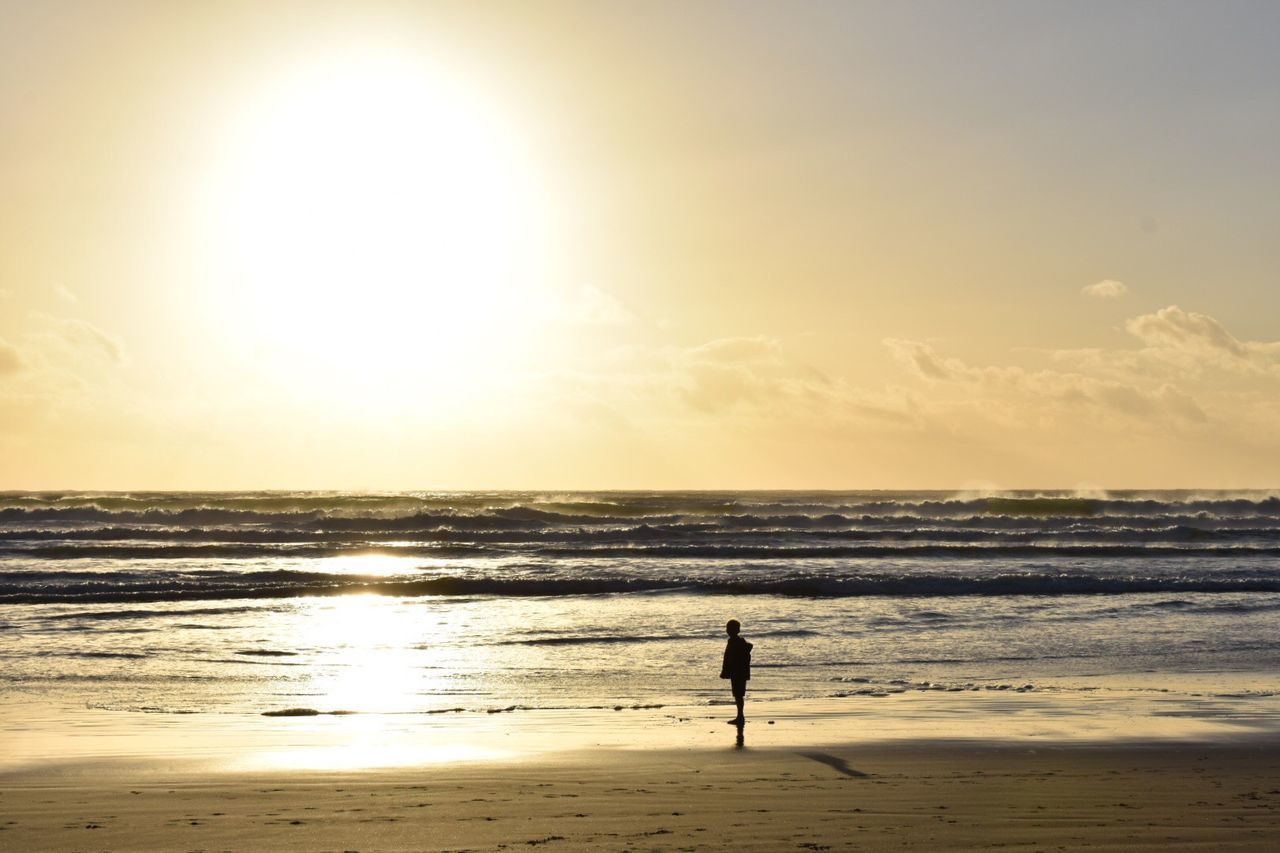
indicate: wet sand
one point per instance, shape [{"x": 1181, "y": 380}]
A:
[
  {"x": 916, "y": 797},
  {"x": 924, "y": 771}
]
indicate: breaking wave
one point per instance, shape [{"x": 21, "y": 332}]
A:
[
  {"x": 113, "y": 589},
  {"x": 157, "y": 547}
]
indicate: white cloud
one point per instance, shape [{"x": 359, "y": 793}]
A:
[
  {"x": 923, "y": 360},
  {"x": 587, "y": 306},
  {"x": 1175, "y": 332},
  {"x": 748, "y": 378},
  {"x": 1177, "y": 345},
  {"x": 64, "y": 293},
  {"x": 1124, "y": 364},
  {"x": 1180, "y": 329},
  {"x": 1100, "y": 412},
  {"x": 61, "y": 371},
  {"x": 599, "y": 308},
  {"x": 1013, "y": 394},
  {"x": 77, "y": 338},
  {"x": 755, "y": 376},
  {"x": 756, "y": 350},
  {"x": 1105, "y": 289},
  {"x": 723, "y": 373}
]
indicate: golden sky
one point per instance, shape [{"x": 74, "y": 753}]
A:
[{"x": 639, "y": 245}]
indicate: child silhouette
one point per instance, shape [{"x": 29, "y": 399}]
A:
[{"x": 737, "y": 667}]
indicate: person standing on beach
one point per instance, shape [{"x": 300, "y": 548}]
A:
[{"x": 737, "y": 667}]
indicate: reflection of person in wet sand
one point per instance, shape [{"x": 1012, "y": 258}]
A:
[{"x": 737, "y": 667}]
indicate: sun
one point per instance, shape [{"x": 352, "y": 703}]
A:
[{"x": 371, "y": 215}]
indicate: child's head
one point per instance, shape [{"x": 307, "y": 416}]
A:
[{"x": 733, "y": 627}]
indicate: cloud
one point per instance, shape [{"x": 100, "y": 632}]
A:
[
  {"x": 1180, "y": 329},
  {"x": 1173, "y": 330},
  {"x": 923, "y": 360},
  {"x": 754, "y": 376},
  {"x": 744, "y": 379},
  {"x": 753, "y": 350},
  {"x": 586, "y": 306},
  {"x": 62, "y": 371},
  {"x": 79, "y": 337},
  {"x": 5, "y": 294},
  {"x": 1106, "y": 289},
  {"x": 1164, "y": 401},
  {"x": 64, "y": 293},
  {"x": 1118, "y": 411},
  {"x": 595, "y": 307},
  {"x": 1014, "y": 394},
  {"x": 1177, "y": 345},
  {"x": 1180, "y": 403},
  {"x": 1132, "y": 364},
  {"x": 730, "y": 371},
  {"x": 10, "y": 358}
]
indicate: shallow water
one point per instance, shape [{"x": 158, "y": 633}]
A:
[{"x": 239, "y": 604}]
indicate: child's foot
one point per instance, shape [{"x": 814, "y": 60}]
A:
[{"x": 736, "y": 721}]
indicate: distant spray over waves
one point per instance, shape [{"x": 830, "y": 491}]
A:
[{"x": 515, "y": 508}]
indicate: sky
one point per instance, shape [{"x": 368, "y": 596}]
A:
[{"x": 714, "y": 245}]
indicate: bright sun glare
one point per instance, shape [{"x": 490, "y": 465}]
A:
[{"x": 372, "y": 215}]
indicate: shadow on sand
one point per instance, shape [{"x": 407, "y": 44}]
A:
[{"x": 837, "y": 764}]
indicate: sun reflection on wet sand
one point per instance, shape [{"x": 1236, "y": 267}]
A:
[
  {"x": 58, "y": 736},
  {"x": 366, "y": 753}
]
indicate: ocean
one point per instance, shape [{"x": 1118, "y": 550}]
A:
[{"x": 424, "y": 603}]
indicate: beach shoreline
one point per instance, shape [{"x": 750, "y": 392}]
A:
[
  {"x": 1211, "y": 708},
  {"x": 956, "y": 772}
]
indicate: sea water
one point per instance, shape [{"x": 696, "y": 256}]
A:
[{"x": 423, "y": 603}]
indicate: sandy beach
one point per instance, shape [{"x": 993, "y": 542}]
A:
[
  {"x": 919, "y": 770},
  {"x": 917, "y": 797}
]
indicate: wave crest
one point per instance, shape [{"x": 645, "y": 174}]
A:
[{"x": 284, "y": 584}]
